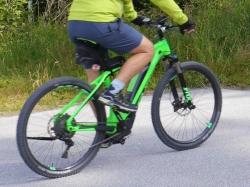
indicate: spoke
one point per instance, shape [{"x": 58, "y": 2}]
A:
[
  {"x": 202, "y": 96},
  {"x": 200, "y": 93},
  {"x": 203, "y": 114},
  {"x": 50, "y": 158},
  {"x": 171, "y": 121},
  {"x": 201, "y": 110},
  {"x": 204, "y": 124},
  {"x": 45, "y": 134},
  {"x": 169, "y": 115},
  {"x": 79, "y": 152},
  {"x": 39, "y": 116},
  {"x": 197, "y": 123},
  {"x": 39, "y": 148},
  {"x": 84, "y": 136},
  {"x": 79, "y": 149},
  {"x": 63, "y": 147},
  {"x": 38, "y": 125},
  {"x": 183, "y": 120},
  {"x": 174, "y": 114},
  {"x": 205, "y": 104},
  {"x": 84, "y": 141},
  {"x": 185, "y": 124},
  {"x": 194, "y": 122},
  {"x": 46, "y": 153}
]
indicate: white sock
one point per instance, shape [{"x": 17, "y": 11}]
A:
[{"x": 116, "y": 86}]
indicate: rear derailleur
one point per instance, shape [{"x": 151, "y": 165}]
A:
[{"x": 61, "y": 134}]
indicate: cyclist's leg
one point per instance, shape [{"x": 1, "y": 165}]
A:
[
  {"x": 125, "y": 39},
  {"x": 91, "y": 74},
  {"x": 120, "y": 38},
  {"x": 140, "y": 57},
  {"x": 82, "y": 30}
]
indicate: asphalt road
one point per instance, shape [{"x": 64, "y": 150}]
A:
[{"x": 223, "y": 160}]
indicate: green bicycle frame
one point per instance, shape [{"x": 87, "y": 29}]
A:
[{"x": 161, "y": 49}]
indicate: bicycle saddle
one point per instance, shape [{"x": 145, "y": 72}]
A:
[{"x": 96, "y": 54}]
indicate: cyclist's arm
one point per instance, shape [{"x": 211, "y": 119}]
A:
[
  {"x": 129, "y": 11},
  {"x": 172, "y": 9}
]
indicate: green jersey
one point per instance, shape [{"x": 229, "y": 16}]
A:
[{"x": 110, "y": 10}]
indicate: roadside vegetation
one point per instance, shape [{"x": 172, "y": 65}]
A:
[{"x": 33, "y": 52}]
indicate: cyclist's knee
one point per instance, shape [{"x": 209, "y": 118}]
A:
[
  {"x": 146, "y": 47},
  {"x": 150, "y": 50}
]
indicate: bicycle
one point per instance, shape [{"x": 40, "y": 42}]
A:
[{"x": 186, "y": 108}]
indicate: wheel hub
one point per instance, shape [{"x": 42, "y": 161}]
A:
[
  {"x": 183, "y": 108},
  {"x": 59, "y": 128},
  {"x": 183, "y": 112}
]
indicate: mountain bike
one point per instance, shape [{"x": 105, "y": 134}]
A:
[{"x": 62, "y": 125}]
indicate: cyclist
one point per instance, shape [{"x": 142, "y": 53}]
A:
[{"x": 101, "y": 21}]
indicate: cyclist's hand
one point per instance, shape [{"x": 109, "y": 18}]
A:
[
  {"x": 141, "y": 20},
  {"x": 187, "y": 27}
]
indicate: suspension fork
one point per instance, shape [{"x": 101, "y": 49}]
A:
[{"x": 174, "y": 62}]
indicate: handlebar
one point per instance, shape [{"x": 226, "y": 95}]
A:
[{"x": 161, "y": 24}]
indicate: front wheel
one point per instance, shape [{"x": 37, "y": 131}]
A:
[
  {"x": 43, "y": 140},
  {"x": 185, "y": 123}
]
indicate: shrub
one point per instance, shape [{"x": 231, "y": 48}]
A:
[{"x": 12, "y": 13}]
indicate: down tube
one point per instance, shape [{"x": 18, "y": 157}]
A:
[{"x": 148, "y": 76}]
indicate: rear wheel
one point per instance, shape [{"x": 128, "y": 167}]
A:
[
  {"x": 44, "y": 143},
  {"x": 178, "y": 124}
]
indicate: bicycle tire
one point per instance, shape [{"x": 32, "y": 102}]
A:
[
  {"x": 164, "y": 135},
  {"x": 25, "y": 115}
]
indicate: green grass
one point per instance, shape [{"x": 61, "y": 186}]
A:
[
  {"x": 30, "y": 57},
  {"x": 222, "y": 40},
  {"x": 36, "y": 53}
]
